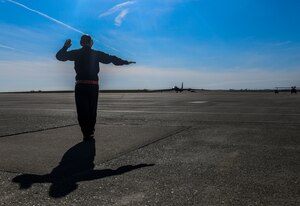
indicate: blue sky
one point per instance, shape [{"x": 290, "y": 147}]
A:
[{"x": 213, "y": 44}]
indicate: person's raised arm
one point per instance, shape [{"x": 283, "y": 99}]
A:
[
  {"x": 63, "y": 54},
  {"x": 107, "y": 59}
]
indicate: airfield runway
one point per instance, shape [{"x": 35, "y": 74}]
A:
[{"x": 203, "y": 148}]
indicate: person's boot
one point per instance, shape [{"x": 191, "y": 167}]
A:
[{"x": 88, "y": 137}]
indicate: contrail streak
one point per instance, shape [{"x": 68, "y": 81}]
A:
[
  {"x": 13, "y": 49},
  {"x": 55, "y": 20},
  {"x": 6, "y": 47},
  {"x": 46, "y": 16}
]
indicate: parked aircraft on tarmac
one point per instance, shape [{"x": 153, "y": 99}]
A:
[
  {"x": 175, "y": 88},
  {"x": 293, "y": 89}
]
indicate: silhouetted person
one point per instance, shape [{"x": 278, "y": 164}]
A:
[{"x": 87, "y": 87}]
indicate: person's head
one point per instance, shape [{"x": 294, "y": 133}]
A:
[{"x": 86, "y": 40}]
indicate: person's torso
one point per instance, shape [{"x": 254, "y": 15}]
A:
[{"x": 86, "y": 64}]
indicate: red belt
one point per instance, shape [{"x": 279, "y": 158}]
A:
[{"x": 87, "y": 82}]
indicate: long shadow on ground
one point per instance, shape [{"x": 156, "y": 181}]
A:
[{"x": 76, "y": 165}]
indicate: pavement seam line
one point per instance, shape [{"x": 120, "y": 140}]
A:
[
  {"x": 183, "y": 129},
  {"x": 178, "y": 131},
  {"x": 194, "y": 112},
  {"x": 11, "y": 172},
  {"x": 40, "y": 130},
  {"x": 218, "y": 121}
]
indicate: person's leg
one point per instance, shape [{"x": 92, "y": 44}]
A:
[
  {"x": 82, "y": 105},
  {"x": 93, "y": 107}
]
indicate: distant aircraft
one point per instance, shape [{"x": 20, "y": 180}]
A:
[
  {"x": 293, "y": 89},
  {"x": 175, "y": 88}
]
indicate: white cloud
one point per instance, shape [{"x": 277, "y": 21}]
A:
[
  {"x": 283, "y": 43},
  {"x": 116, "y": 8},
  {"x": 122, "y": 9},
  {"x": 36, "y": 75},
  {"x": 120, "y": 17},
  {"x": 136, "y": 77},
  {"x": 54, "y": 75}
]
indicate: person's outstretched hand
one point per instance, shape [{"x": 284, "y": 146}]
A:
[
  {"x": 68, "y": 43},
  {"x": 131, "y": 63}
]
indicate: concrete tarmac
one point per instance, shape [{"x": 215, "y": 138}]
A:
[{"x": 204, "y": 148}]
